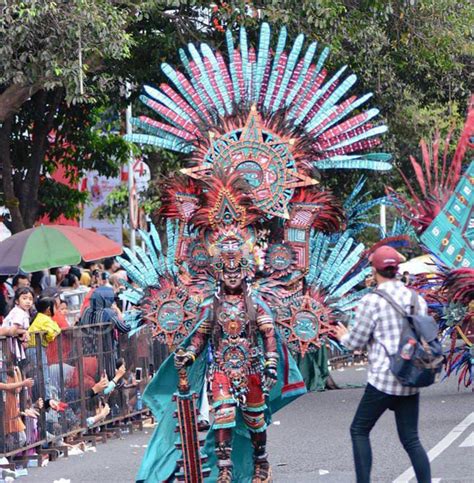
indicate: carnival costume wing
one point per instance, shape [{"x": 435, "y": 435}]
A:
[
  {"x": 441, "y": 210},
  {"x": 159, "y": 462},
  {"x": 436, "y": 178}
]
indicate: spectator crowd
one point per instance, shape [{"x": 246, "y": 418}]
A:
[{"x": 66, "y": 361}]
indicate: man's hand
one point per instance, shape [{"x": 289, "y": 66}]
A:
[
  {"x": 101, "y": 385},
  {"x": 339, "y": 330},
  {"x": 120, "y": 372},
  {"x": 104, "y": 412},
  {"x": 183, "y": 358},
  {"x": 32, "y": 413},
  {"x": 28, "y": 382}
]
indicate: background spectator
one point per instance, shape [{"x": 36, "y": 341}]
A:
[
  {"x": 49, "y": 329},
  {"x": 111, "y": 265},
  {"x": 14, "y": 428},
  {"x": 3, "y": 298},
  {"x": 20, "y": 316}
]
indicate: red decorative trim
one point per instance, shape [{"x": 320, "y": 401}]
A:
[{"x": 295, "y": 385}]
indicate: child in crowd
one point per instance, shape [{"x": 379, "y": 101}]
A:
[
  {"x": 13, "y": 426},
  {"x": 20, "y": 316},
  {"x": 49, "y": 330}
]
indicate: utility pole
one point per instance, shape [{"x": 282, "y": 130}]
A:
[
  {"x": 131, "y": 207},
  {"x": 383, "y": 218}
]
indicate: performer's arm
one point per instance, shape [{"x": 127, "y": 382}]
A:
[
  {"x": 266, "y": 327},
  {"x": 183, "y": 358},
  {"x": 200, "y": 338}
]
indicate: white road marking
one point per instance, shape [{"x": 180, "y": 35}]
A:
[
  {"x": 435, "y": 480},
  {"x": 440, "y": 447},
  {"x": 468, "y": 442}
]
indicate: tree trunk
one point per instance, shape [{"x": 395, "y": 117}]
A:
[
  {"x": 46, "y": 105},
  {"x": 13, "y": 97},
  {"x": 11, "y": 201}
]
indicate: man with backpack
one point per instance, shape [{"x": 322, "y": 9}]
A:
[{"x": 380, "y": 324}]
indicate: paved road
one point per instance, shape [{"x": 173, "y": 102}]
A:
[{"x": 310, "y": 441}]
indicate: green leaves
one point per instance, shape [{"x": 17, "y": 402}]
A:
[{"x": 41, "y": 41}]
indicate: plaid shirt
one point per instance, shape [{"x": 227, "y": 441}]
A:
[{"x": 377, "y": 324}]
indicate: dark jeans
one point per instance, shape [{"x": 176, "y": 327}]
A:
[{"x": 372, "y": 405}]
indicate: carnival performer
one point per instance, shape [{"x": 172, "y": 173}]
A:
[
  {"x": 251, "y": 265},
  {"x": 243, "y": 368}
]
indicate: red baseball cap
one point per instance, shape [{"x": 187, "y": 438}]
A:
[{"x": 384, "y": 257}]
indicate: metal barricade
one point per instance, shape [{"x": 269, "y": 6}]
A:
[
  {"x": 67, "y": 370},
  {"x": 22, "y": 423}
]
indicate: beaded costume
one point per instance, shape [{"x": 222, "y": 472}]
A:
[{"x": 255, "y": 260}]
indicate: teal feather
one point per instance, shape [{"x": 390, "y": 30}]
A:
[
  {"x": 180, "y": 147},
  {"x": 330, "y": 102},
  {"x": 343, "y": 114},
  {"x": 206, "y": 82},
  {"x": 150, "y": 272},
  {"x": 320, "y": 255},
  {"x": 133, "y": 272},
  {"x": 132, "y": 296},
  {"x": 322, "y": 58},
  {"x": 209, "y": 54},
  {"x": 348, "y": 263},
  {"x": 308, "y": 91},
  {"x": 308, "y": 58},
  {"x": 354, "y": 162},
  {"x": 171, "y": 74},
  {"x": 318, "y": 94},
  {"x": 155, "y": 237},
  {"x": 274, "y": 72},
  {"x": 329, "y": 265},
  {"x": 151, "y": 249},
  {"x": 262, "y": 59},
  {"x": 194, "y": 82},
  {"x": 352, "y": 282},
  {"x": 149, "y": 102},
  {"x": 155, "y": 131},
  {"x": 164, "y": 99},
  {"x": 341, "y": 265},
  {"x": 352, "y": 298},
  {"x": 169, "y": 261},
  {"x": 290, "y": 66},
  {"x": 355, "y": 192},
  {"x": 171, "y": 232},
  {"x": 370, "y": 133},
  {"x": 244, "y": 52},
  {"x": 233, "y": 72}
]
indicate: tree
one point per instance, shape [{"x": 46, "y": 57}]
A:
[
  {"x": 415, "y": 55},
  {"x": 52, "y": 57}
]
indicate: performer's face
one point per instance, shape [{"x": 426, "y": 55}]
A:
[{"x": 232, "y": 279}]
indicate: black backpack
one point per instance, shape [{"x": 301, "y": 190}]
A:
[{"x": 419, "y": 358}]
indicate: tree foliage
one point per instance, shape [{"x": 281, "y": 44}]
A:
[
  {"x": 415, "y": 55},
  {"x": 52, "y": 59}
]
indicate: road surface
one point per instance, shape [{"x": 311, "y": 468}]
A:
[{"x": 309, "y": 441}]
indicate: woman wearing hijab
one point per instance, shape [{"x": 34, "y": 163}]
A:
[{"x": 102, "y": 311}]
